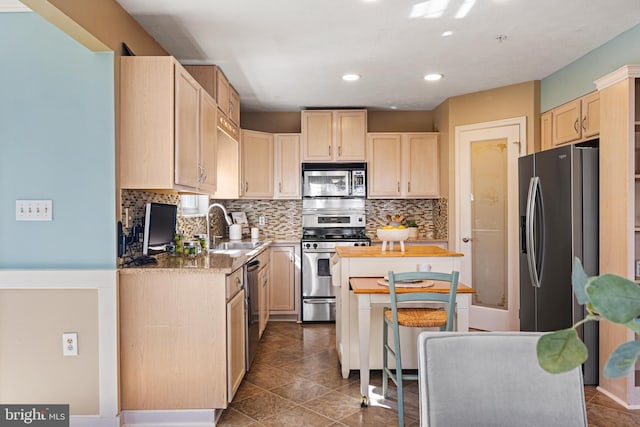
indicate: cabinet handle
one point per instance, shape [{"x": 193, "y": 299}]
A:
[
  {"x": 409, "y": 187},
  {"x": 238, "y": 282},
  {"x": 279, "y": 187},
  {"x": 246, "y": 186},
  {"x": 329, "y": 151},
  {"x": 576, "y": 124},
  {"x": 398, "y": 186},
  {"x": 584, "y": 123},
  {"x": 339, "y": 150}
]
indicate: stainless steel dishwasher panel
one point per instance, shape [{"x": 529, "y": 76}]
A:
[{"x": 253, "y": 317}]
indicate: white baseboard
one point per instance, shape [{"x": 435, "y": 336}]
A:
[
  {"x": 617, "y": 399},
  {"x": 170, "y": 418},
  {"x": 93, "y": 421}
]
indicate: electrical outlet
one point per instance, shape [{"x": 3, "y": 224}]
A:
[
  {"x": 34, "y": 210},
  {"x": 261, "y": 221},
  {"x": 70, "y": 344}
]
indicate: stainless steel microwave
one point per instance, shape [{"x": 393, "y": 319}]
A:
[{"x": 334, "y": 180}]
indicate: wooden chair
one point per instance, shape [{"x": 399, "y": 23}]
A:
[{"x": 415, "y": 317}]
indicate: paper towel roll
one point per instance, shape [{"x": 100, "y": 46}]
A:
[
  {"x": 255, "y": 233},
  {"x": 235, "y": 232}
]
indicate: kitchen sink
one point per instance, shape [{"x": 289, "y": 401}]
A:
[
  {"x": 231, "y": 252},
  {"x": 235, "y": 245}
]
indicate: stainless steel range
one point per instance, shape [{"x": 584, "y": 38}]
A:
[{"x": 326, "y": 223}]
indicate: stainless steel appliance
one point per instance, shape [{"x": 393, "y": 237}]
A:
[
  {"x": 334, "y": 180},
  {"x": 326, "y": 223},
  {"x": 559, "y": 221},
  {"x": 253, "y": 314}
]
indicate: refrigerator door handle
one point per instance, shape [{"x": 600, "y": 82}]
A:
[{"x": 534, "y": 185}]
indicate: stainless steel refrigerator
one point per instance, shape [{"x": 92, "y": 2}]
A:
[{"x": 558, "y": 204}]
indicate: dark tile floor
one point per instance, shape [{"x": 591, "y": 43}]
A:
[{"x": 295, "y": 381}]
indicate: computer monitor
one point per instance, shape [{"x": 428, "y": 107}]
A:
[{"x": 159, "y": 227}]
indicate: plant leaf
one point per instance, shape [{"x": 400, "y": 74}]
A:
[
  {"x": 622, "y": 360},
  {"x": 561, "y": 351},
  {"x": 634, "y": 325},
  {"x": 616, "y": 298},
  {"x": 579, "y": 281}
]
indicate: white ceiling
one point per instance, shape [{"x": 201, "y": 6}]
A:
[{"x": 283, "y": 55}]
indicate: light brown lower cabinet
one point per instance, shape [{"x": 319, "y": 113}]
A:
[
  {"x": 284, "y": 280},
  {"x": 173, "y": 330},
  {"x": 263, "y": 298},
  {"x": 236, "y": 365}
]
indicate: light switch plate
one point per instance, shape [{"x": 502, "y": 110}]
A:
[{"x": 34, "y": 210}]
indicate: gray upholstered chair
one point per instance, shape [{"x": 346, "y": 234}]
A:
[{"x": 493, "y": 379}]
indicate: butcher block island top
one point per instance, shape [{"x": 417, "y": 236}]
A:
[{"x": 409, "y": 252}]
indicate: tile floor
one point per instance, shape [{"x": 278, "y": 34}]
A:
[{"x": 295, "y": 381}]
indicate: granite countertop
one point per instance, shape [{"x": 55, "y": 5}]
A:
[
  {"x": 212, "y": 262},
  {"x": 409, "y": 251}
]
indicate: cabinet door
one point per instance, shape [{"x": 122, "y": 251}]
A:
[
  {"x": 222, "y": 92},
  {"x": 384, "y": 158},
  {"x": 317, "y": 135},
  {"x": 228, "y": 167},
  {"x": 546, "y": 133},
  {"x": 282, "y": 279},
  {"x": 236, "y": 367},
  {"x": 257, "y": 164},
  {"x": 187, "y": 126},
  {"x": 208, "y": 143},
  {"x": 420, "y": 165},
  {"x": 566, "y": 123},
  {"x": 287, "y": 166},
  {"x": 350, "y": 131},
  {"x": 590, "y": 115},
  {"x": 234, "y": 105},
  {"x": 263, "y": 299}
]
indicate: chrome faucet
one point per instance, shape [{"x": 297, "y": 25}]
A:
[{"x": 226, "y": 217}]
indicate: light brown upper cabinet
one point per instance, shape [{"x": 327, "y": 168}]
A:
[
  {"x": 287, "y": 166},
  {"x": 167, "y": 137},
  {"x": 403, "y": 165},
  {"x": 576, "y": 121},
  {"x": 334, "y": 135},
  {"x": 546, "y": 130},
  {"x": 213, "y": 80},
  {"x": 257, "y": 164}
]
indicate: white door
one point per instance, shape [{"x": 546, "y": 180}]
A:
[{"x": 487, "y": 219}]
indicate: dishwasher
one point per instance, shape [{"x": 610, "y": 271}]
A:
[{"x": 253, "y": 318}]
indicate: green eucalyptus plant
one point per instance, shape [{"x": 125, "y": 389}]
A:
[{"x": 608, "y": 297}]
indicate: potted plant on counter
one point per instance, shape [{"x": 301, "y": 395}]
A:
[
  {"x": 610, "y": 297},
  {"x": 412, "y": 225}
]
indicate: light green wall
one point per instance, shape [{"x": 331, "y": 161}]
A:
[
  {"x": 576, "y": 79},
  {"x": 57, "y": 142}
]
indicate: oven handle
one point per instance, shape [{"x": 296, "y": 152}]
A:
[
  {"x": 319, "y": 301},
  {"x": 318, "y": 251}
]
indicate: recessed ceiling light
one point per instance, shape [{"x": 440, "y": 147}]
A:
[
  {"x": 433, "y": 77},
  {"x": 447, "y": 33},
  {"x": 393, "y": 107},
  {"x": 350, "y": 77}
]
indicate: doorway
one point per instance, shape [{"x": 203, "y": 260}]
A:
[{"x": 487, "y": 219}]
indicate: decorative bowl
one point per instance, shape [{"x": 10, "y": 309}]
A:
[{"x": 393, "y": 235}]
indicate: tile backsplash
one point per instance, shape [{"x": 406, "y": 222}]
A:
[{"x": 283, "y": 218}]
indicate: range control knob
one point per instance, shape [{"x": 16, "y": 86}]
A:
[
  {"x": 307, "y": 245},
  {"x": 315, "y": 246}
]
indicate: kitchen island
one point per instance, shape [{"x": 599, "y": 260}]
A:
[{"x": 371, "y": 261}]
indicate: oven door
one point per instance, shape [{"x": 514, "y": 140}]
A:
[
  {"x": 326, "y": 183},
  {"x": 316, "y": 274}
]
